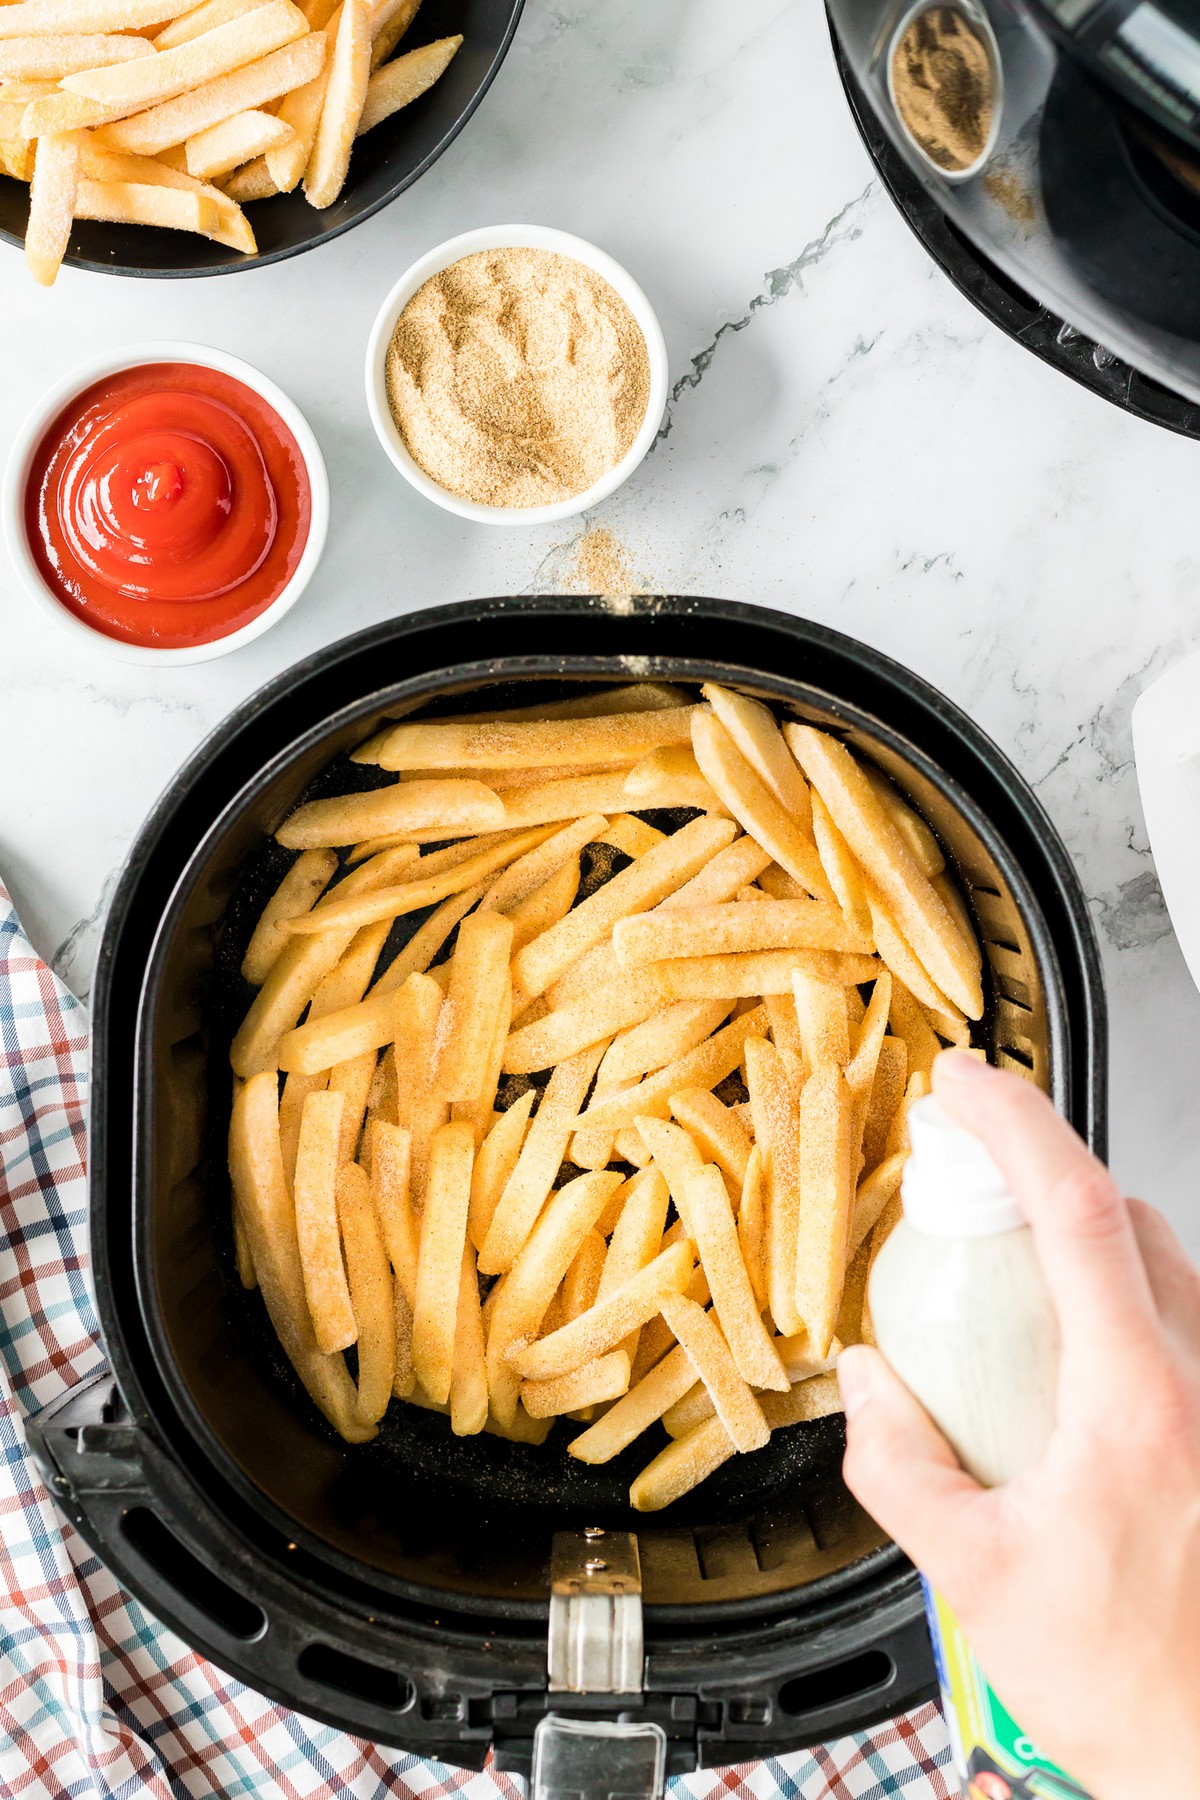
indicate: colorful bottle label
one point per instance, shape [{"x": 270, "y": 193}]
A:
[{"x": 993, "y": 1758}]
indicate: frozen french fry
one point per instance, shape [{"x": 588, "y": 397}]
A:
[
  {"x": 815, "y": 1398},
  {"x": 546, "y": 905},
  {"x": 392, "y": 902},
  {"x": 391, "y": 1169},
  {"x": 253, "y": 84},
  {"x": 785, "y": 1035},
  {"x": 322, "y": 1043},
  {"x": 478, "y": 1002},
  {"x": 690, "y": 1410},
  {"x": 845, "y": 876},
  {"x": 653, "y": 876},
  {"x": 669, "y": 1034},
  {"x": 920, "y": 913},
  {"x": 224, "y": 147},
  {"x": 637, "y": 1410},
  {"x": 715, "y": 1130},
  {"x": 629, "y": 834},
  {"x": 138, "y": 84},
  {"x": 345, "y": 96},
  {"x": 352, "y": 1079},
  {"x": 440, "y": 1259},
  {"x": 314, "y": 1188},
  {"x": 620, "y": 738},
  {"x": 457, "y": 806},
  {"x": 44, "y": 18},
  {"x": 52, "y": 203},
  {"x": 35, "y": 58},
  {"x": 801, "y": 1361},
  {"x": 827, "y": 1109},
  {"x": 533, "y": 1280},
  {"x": 427, "y": 939},
  {"x": 722, "y": 877},
  {"x": 873, "y": 1194},
  {"x": 753, "y": 729},
  {"x": 299, "y": 890},
  {"x": 674, "y": 767},
  {"x": 776, "y": 1133},
  {"x": 265, "y": 1207},
  {"x": 899, "y": 955},
  {"x": 636, "y": 1236},
  {"x": 468, "y": 1381},
  {"x": 887, "y": 1091},
  {"x": 495, "y": 1162},
  {"x": 708, "y": 931},
  {"x": 532, "y": 870},
  {"x": 611, "y": 1320},
  {"x": 911, "y": 1025},
  {"x": 405, "y": 1379},
  {"x": 296, "y": 1090},
  {"x": 683, "y": 1465},
  {"x": 926, "y": 851},
  {"x": 711, "y": 1223},
  {"x": 752, "y": 1227},
  {"x": 705, "y": 1066},
  {"x": 288, "y": 987},
  {"x": 581, "y": 1282},
  {"x": 754, "y": 806},
  {"x": 349, "y": 979},
  {"x": 421, "y": 1107},
  {"x": 390, "y": 19},
  {"x": 823, "y": 1020},
  {"x": 753, "y": 973},
  {"x": 301, "y": 108},
  {"x": 191, "y": 22},
  {"x": 526, "y": 1189},
  {"x": 566, "y": 1030},
  {"x": 604, "y": 1379},
  {"x": 398, "y": 83},
  {"x": 371, "y": 1293}
]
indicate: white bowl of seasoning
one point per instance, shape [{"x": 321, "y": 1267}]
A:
[
  {"x": 295, "y": 442},
  {"x": 518, "y": 237}
]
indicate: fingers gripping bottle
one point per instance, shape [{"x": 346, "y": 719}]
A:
[{"x": 960, "y": 1308}]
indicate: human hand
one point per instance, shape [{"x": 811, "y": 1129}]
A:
[{"x": 1077, "y": 1584}]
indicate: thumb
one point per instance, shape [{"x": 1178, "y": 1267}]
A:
[{"x": 900, "y": 1467}]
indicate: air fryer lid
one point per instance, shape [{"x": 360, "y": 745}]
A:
[{"x": 419, "y": 1533}]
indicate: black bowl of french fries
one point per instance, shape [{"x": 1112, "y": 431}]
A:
[
  {"x": 557, "y": 1012},
  {"x": 184, "y": 138}
]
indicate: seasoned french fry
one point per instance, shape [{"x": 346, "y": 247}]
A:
[
  {"x": 756, "y": 735},
  {"x": 391, "y": 1174},
  {"x": 752, "y": 1226},
  {"x": 440, "y": 1260},
  {"x": 479, "y": 1001},
  {"x": 690, "y": 1410},
  {"x": 897, "y": 1137},
  {"x": 677, "y": 1157},
  {"x": 823, "y": 1020},
  {"x": 827, "y": 1108},
  {"x": 163, "y": 76},
  {"x": 265, "y": 1207},
  {"x": 715, "y": 1130},
  {"x": 919, "y": 911},
  {"x": 812, "y": 1399},
  {"x": 683, "y": 1465},
  {"x": 567, "y": 1030},
  {"x": 529, "y": 872},
  {"x": 854, "y": 1297},
  {"x": 873, "y": 1194},
  {"x": 159, "y": 127},
  {"x": 421, "y": 1108},
  {"x": 926, "y": 851},
  {"x": 801, "y": 1361},
  {"x": 629, "y": 834},
  {"x": 636, "y": 1236},
  {"x": 845, "y": 876},
  {"x": 329, "y": 1302},
  {"x": 52, "y": 199},
  {"x": 389, "y": 22},
  {"x": 352, "y": 1079},
  {"x": 397, "y": 84},
  {"x": 950, "y": 1026},
  {"x": 456, "y": 806},
  {"x": 785, "y": 1035},
  {"x": 405, "y": 1379},
  {"x": 707, "y": 931},
  {"x": 495, "y": 1162},
  {"x": 241, "y": 1251},
  {"x": 861, "y": 1067},
  {"x": 526, "y": 1189},
  {"x": 349, "y": 979},
  {"x": 721, "y": 877},
  {"x": 705, "y": 1066},
  {"x": 776, "y": 1133},
  {"x": 533, "y": 1281},
  {"x": 324, "y": 1042},
  {"x": 663, "y": 869},
  {"x": 887, "y": 1091},
  {"x": 947, "y": 889},
  {"x": 636, "y": 696},
  {"x": 777, "y": 884},
  {"x": 909, "y": 1023},
  {"x": 604, "y": 1379},
  {"x": 636, "y": 1410},
  {"x": 468, "y": 1382},
  {"x": 349, "y": 78},
  {"x": 427, "y": 939},
  {"x": 192, "y": 22},
  {"x": 609, "y": 1321},
  {"x": 621, "y": 738},
  {"x": 754, "y": 806},
  {"x": 393, "y": 902},
  {"x": 710, "y": 1220},
  {"x": 546, "y": 905},
  {"x": 661, "y": 1039},
  {"x": 743, "y": 976},
  {"x": 581, "y": 1282},
  {"x": 898, "y": 955},
  {"x": 296, "y": 1090},
  {"x": 234, "y": 141},
  {"x": 371, "y": 1294}
]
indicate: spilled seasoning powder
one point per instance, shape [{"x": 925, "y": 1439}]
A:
[
  {"x": 517, "y": 377},
  {"x": 944, "y": 87}
]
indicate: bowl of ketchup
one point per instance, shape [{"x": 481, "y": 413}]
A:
[{"x": 167, "y": 501}]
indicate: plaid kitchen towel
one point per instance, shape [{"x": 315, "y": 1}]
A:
[{"x": 98, "y": 1701}]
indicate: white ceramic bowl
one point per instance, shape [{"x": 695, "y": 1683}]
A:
[
  {"x": 29, "y": 438},
  {"x": 506, "y": 237}
]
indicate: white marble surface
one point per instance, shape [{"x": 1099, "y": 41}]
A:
[{"x": 849, "y": 440}]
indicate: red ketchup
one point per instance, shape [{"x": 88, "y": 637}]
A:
[{"x": 168, "y": 505}]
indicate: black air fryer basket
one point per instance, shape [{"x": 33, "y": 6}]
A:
[{"x": 401, "y": 1590}]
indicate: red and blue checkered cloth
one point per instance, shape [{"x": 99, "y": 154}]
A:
[{"x": 98, "y": 1701}]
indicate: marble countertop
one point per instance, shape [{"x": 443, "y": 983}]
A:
[{"x": 848, "y": 439}]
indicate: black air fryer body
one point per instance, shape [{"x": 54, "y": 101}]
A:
[
  {"x": 1078, "y": 231},
  {"x": 400, "y": 1590}
]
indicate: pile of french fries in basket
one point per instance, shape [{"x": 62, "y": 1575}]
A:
[
  {"x": 628, "y": 1241},
  {"x": 165, "y": 112}
]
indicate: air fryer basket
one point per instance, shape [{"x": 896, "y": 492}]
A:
[{"x": 400, "y": 1588}]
